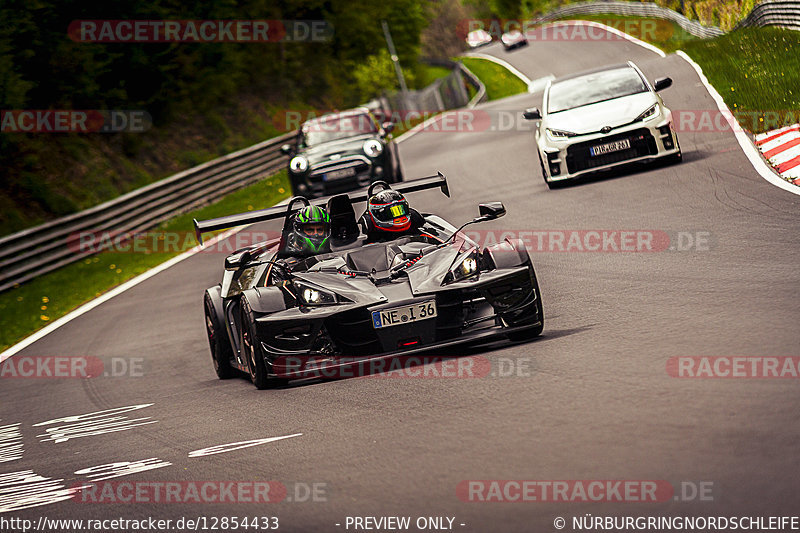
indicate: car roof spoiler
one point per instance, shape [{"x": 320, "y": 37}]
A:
[{"x": 280, "y": 211}]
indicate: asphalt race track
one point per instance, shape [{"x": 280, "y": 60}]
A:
[{"x": 589, "y": 400}]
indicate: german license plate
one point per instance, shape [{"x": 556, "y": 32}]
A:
[
  {"x": 616, "y": 146},
  {"x": 339, "y": 174},
  {"x": 403, "y": 315}
]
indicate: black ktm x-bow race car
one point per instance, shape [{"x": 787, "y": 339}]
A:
[{"x": 278, "y": 317}]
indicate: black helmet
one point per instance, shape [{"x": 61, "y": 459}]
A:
[
  {"x": 312, "y": 229},
  {"x": 389, "y": 211}
]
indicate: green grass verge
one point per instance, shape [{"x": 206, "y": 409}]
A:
[
  {"x": 35, "y": 304},
  {"x": 756, "y": 70},
  {"x": 499, "y": 81},
  {"x": 664, "y": 34}
]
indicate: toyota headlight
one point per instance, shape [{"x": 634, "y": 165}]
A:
[
  {"x": 298, "y": 164},
  {"x": 311, "y": 295},
  {"x": 559, "y": 135},
  {"x": 373, "y": 148},
  {"x": 649, "y": 114}
]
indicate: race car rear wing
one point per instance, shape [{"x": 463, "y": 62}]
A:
[{"x": 281, "y": 211}]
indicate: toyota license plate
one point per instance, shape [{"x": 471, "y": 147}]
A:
[
  {"x": 339, "y": 174},
  {"x": 616, "y": 146},
  {"x": 403, "y": 315}
]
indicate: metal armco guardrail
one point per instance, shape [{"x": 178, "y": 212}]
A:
[
  {"x": 784, "y": 13},
  {"x": 35, "y": 251},
  {"x": 635, "y": 9}
]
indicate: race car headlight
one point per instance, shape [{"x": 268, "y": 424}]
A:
[
  {"x": 373, "y": 148},
  {"x": 650, "y": 113},
  {"x": 298, "y": 164},
  {"x": 310, "y": 295},
  {"x": 559, "y": 135},
  {"x": 463, "y": 269}
]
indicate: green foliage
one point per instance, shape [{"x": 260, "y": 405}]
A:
[{"x": 183, "y": 86}]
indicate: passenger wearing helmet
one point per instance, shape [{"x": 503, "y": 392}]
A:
[
  {"x": 311, "y": 231},
  {"x": 388, "y": 216}
]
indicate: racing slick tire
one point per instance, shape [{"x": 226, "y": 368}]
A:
[
  {"x": 535, "y": 331},
  {"x": 253, "y": 352},
  {"x": 221, "y": 352}
]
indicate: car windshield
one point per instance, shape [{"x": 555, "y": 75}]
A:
[
  {"x": 329, "y": 129},
  {"x": 593, "y": 88}
]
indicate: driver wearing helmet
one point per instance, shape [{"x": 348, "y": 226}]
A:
[
  {"x": 388, "y": 216},
  {"x": 311, "y": 231}
]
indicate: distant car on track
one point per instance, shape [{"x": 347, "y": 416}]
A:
[
  {"x": 513, "y": 39},
  {"x": 276, "y": 316},
  {"x": 341, "y": 152},
  {"x": 478, "y": 38},
  {"x": 601, "y": 119}
]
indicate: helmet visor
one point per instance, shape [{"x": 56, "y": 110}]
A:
[
  {"x": 313, "y": 230},
  {"x": 390, "y": 212}
]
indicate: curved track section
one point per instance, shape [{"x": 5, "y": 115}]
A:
[{"x": 590, "y": 400}]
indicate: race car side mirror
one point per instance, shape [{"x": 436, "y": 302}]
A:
[
  {"x": 662, "y": 83},
  {"x": 286, "y": 149},
  {"x": 492, "y": 210},
  {"x": 235, "y": 261},
  {"x": 532, "y": 113}
]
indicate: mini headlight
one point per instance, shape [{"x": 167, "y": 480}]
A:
[
  {"x": 298, "y": 164},
  {"x": 650, "y": 113},
  {"x": 312, "y": 295},
  {"x": 559, "y": 135},
  {"x": 373, "y": 148}
]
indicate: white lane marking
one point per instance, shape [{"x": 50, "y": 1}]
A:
[
  {"x": 10, "y": 443},
  {"x": 748, "y": 147},
  {"x": 24, "y": 489},
  {"x": 224, "y": 448},
  {"x": 539, "y": 84},
  {"x": 97, "y": 423},
  {"x": 123, "y": 468}
]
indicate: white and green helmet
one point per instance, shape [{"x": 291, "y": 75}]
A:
[{"x": 312, "y": 229}]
